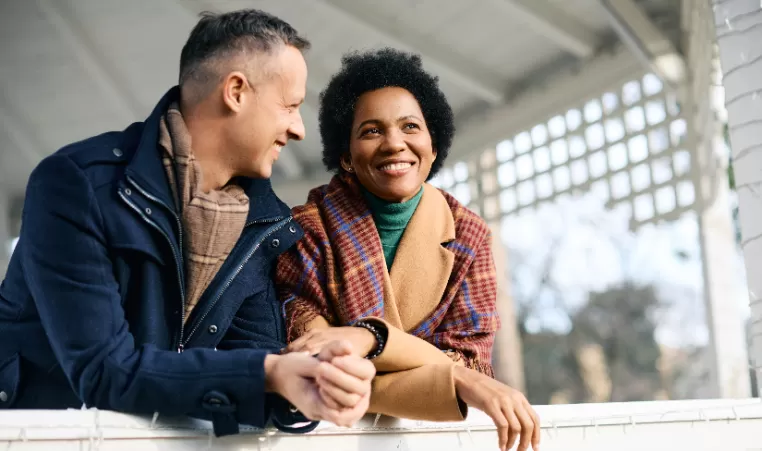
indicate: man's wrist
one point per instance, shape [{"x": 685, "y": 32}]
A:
[{"x": 271, "y": 363}]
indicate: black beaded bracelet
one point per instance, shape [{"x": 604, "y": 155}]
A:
[{"x": 380, "y": 339}]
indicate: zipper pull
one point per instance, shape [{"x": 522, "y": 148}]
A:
[{"x": 180, "y": 348}]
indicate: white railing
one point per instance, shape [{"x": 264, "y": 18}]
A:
[{"x": 671, "y": 425}]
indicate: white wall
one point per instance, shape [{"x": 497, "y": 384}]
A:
[{"x": 663, "y": 425}]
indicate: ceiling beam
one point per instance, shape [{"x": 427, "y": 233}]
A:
[
  {"x": 441, "y": 60},
  {"x": 652, "y": 47},
  {"x": 558, "y": 93},
  {"x": 104, "y": 76},
  {"x": 554, "y": 24}
]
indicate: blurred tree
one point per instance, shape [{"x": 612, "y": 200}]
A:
[
  {"x": 609, "y": 355},
  {"x": 620, "y": 321}
]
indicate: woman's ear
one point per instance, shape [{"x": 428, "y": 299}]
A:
[{"x": 346, "y": 163}]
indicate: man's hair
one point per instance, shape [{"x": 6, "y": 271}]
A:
[
  {"x": 372, "y": 70},
  {"x": 217, "y": 37}
]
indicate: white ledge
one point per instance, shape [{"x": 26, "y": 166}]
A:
[{"x": 695, "y": 425}]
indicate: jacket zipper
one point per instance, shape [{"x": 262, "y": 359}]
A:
[
  {"x": 281, "y": 222},
  {"x": 177, "y": 255}
]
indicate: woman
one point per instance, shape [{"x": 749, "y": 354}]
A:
[{"x": 390, "y": 263}]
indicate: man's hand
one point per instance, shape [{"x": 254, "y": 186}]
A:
[
  {"x": 334, "y": 388},
  {"x": 508, "y": 408},
  {"x": 361, "y": 339},
  {"x": 344, "y": 380}
]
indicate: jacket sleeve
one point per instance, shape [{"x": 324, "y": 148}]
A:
[
  {"x": 69, "y": 273},
  {"x": 246, "y": 329}
]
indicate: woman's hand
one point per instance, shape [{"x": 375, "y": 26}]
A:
[
  {"x": 508, "y": 408},
  {"x": 361, "y": 339}
]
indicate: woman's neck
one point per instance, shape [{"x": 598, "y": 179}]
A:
[{"x": 391, "y": 215}]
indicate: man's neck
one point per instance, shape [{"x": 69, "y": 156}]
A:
[{"x": 216, "y": 171}]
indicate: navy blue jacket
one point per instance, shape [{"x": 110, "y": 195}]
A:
[{"x": 92, "y": 304}]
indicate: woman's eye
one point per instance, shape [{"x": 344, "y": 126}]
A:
[
  {"x": 369, "y": 131},
  {"x": 411, "y": 126}
]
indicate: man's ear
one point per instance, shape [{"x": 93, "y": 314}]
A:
[{"x": 235, "y": 87}]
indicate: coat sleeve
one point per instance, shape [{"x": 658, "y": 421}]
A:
[
  {"x": 247, "y": 329},
  {"x": 70, "y": 275},
  {"x": 424, "y": 393},
  {"x": 466, "y": 331}
]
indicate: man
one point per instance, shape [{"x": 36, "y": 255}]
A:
[{"x": 142, "y": 278}]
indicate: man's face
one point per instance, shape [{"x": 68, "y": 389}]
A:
[{"x": 269, "y": 115}]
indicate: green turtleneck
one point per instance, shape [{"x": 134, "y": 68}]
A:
[{"x": 391, "y": 220}]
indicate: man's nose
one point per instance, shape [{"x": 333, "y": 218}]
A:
[{"x": 296, "y": 130}]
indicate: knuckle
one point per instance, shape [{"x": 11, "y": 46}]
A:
[{"x": 500, "y": 421}]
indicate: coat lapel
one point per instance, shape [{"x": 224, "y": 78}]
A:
[
  {"x": 421, "y": 269},
  {"x": 422, "y": 266}
]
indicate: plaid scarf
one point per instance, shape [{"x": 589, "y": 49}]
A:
[
  {"x": 338, "y": 271},
  {"x": 212, "y": 222}
]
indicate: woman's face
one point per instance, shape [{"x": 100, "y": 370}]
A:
[{"x": 390, "y": 148}]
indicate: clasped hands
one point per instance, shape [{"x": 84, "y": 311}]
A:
[{"x": 332, "y": 384}]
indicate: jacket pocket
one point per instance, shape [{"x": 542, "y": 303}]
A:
[{"x": 10, "y": 377}]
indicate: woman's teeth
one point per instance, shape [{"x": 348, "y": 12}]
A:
[{"x": 395, "y": 166}]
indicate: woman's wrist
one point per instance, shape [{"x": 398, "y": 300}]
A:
[
  {"x": 379, "y": 334},
  {"x": 459, "y": 375}
]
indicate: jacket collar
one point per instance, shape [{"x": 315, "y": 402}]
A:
[{"x": 146, "y": 169}]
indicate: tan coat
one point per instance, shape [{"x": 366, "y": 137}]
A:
[{"x": 415, "y": 379}]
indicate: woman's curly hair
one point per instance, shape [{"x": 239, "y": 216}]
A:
[{"x": 368, "y": 71}]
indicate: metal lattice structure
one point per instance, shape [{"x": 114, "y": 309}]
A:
[{"x": 628, "y": 146}]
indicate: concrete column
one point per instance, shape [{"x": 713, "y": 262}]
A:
[
  {"x": 722, "y": 294},
  {"x": 507, "y": 354},
  {"x": 738, "y": 33}
]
